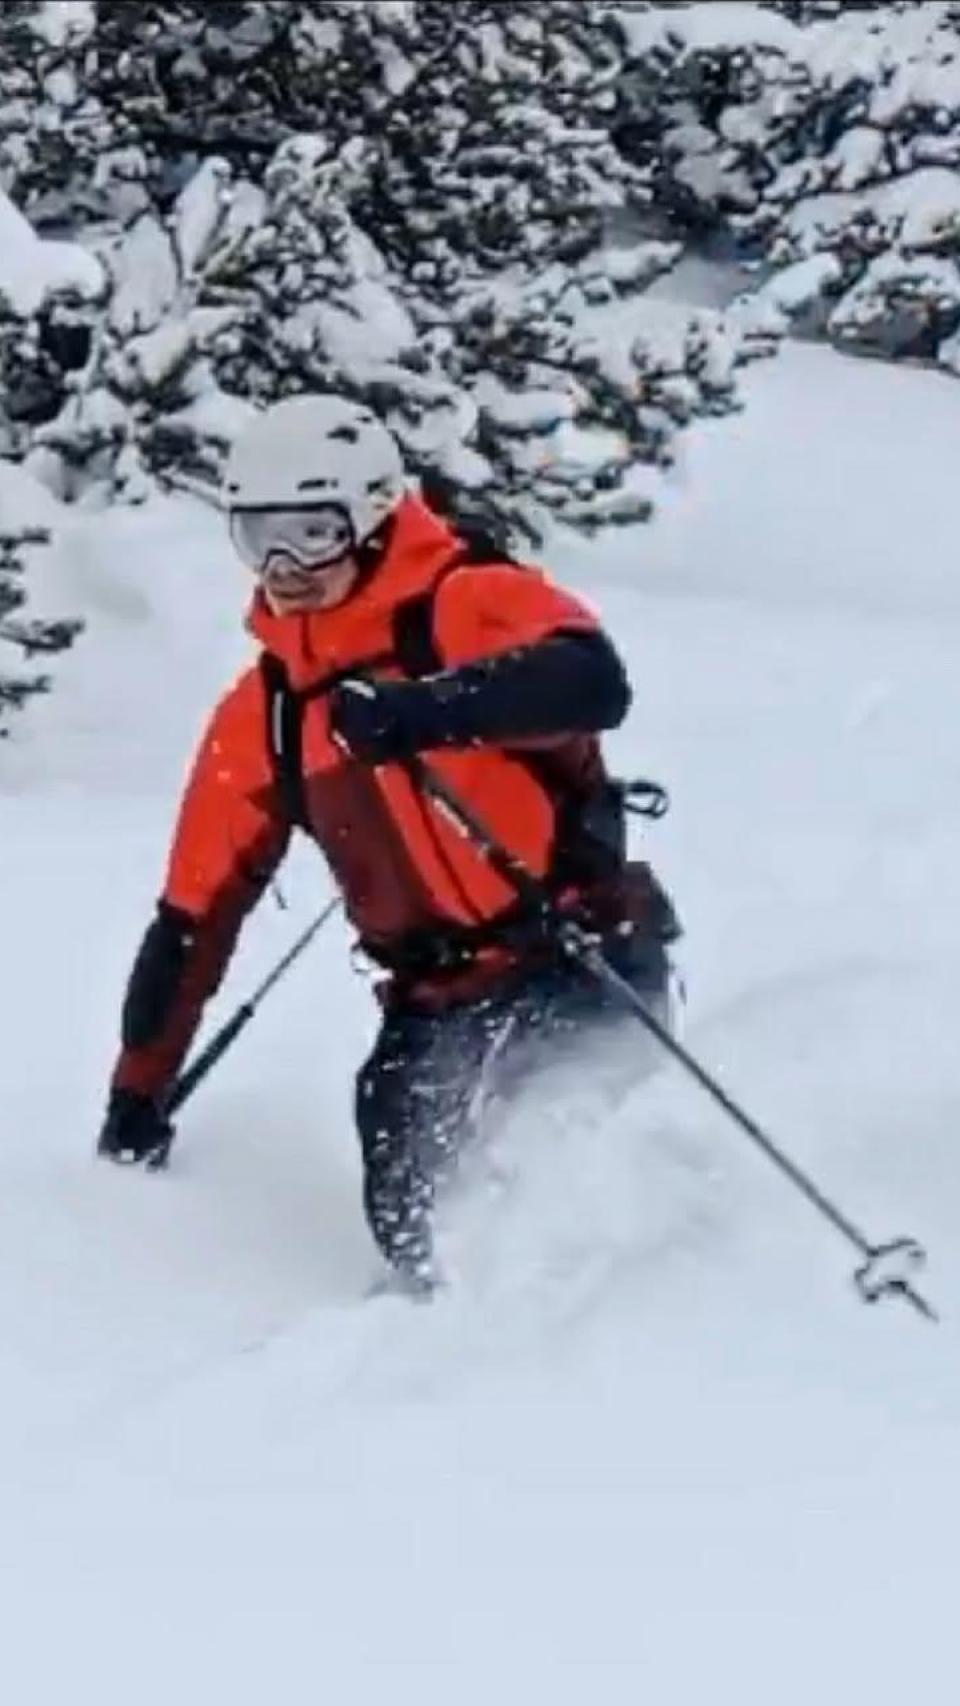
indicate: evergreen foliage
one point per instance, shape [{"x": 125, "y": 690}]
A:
[
  {"x": 406, "y": 201},
  {"x": 826, "y": 140},
  {"x": 31, "y": 636}
]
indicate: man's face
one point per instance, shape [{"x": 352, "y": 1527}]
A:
[
  {"x": 304, "y": 556},
  {"x": 290, "y": 589}
]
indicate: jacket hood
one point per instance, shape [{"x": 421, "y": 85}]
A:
[{"x": 319, "y": 643}]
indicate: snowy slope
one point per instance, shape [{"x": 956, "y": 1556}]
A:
[{"x": 650, "y": 1446}]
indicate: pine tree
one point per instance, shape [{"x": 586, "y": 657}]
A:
[
  {"x": 53, "y": 128},
  {"x": 31, "y": 636},
  {"x": 180, "y": 81},
  {"x": 827, "y": 144},
  {"x": 400, "y": 201}
]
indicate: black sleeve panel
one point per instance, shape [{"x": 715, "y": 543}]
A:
[
  {"x": 571, "y": 683},
  {"x": 157, "y": 976}
]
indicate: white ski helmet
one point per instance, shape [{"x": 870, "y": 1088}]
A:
[{"x": 317, "y": 450}]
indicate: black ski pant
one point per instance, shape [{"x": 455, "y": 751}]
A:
[{"x": 420, "y": 1093}]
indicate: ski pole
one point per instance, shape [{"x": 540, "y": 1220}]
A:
[
  {"x": 194, "y": 1074},
  {"x": 886, "y": 1269}
]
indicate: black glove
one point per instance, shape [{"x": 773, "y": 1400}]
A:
[
  {"x": 381, "y": 722},
  {"x": 134, "y": 1129}
]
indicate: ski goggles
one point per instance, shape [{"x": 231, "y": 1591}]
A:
[{"x": 316, "y": 536}]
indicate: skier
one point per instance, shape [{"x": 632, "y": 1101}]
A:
[{"x": 387, "y": 634}]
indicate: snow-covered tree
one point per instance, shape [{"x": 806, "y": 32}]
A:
[
  {"x": 30, "y": 636},
  {"x": 53, "y": 128},
  {"x": 402, "y": 201},
  {"x": 827, "y": 139},
  {"x": 181, "y": 80},
  {"x": 50, "y": 295}
]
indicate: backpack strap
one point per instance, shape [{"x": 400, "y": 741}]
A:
[
  {"x": 414, "y": 646},
  {"x": 283, "y": 707},
  {"x": 284, "y": 730}
]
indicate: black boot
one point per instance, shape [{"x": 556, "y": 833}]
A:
[{"x": 134, "y": 1130}]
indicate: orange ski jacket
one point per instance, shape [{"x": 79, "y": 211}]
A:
[{"x": 401, "y": 867}]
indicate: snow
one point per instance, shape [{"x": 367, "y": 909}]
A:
[
  {"x": 200, "y": 211},
  {"x": 523, "y": 412},
  {"x": 707, "y": 26},
  {"x": 63, "y": 21},
  {"x": 214, "y": 414},
  {"x": 858, "y": 157},
  {"x": 790, "y": 290},
  {"x": 32, "y": 267},
  {"x": 22, "y": 502},
  {"x": 649, "y": 1446},
  {"x": 932, "y": 282},
  {"x": 921, "y": 208},
  {"x": 145, "y": 275}
]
